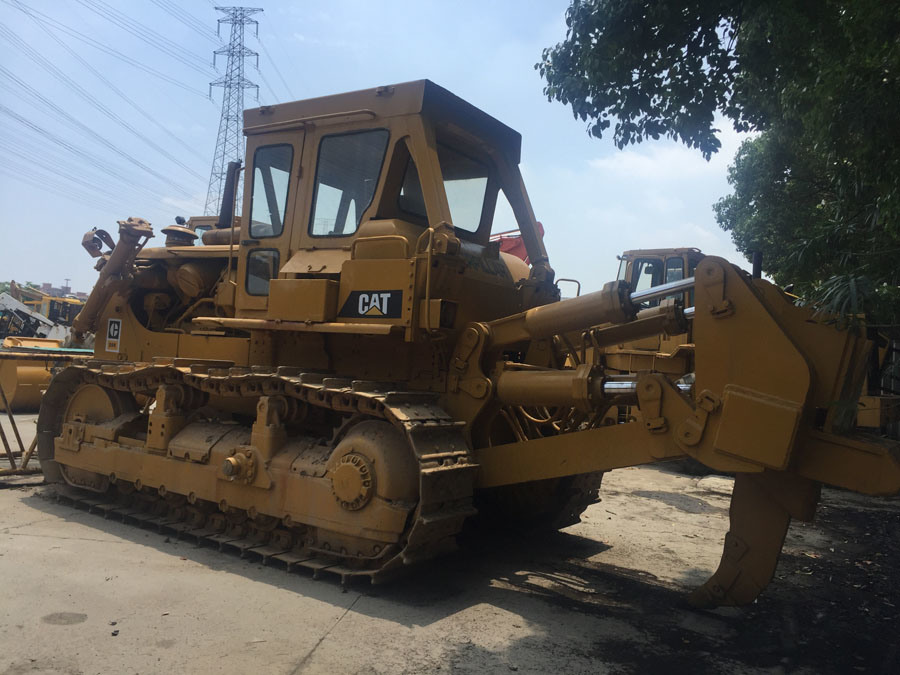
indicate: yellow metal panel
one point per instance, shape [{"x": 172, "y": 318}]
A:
[
  {"x": 213, "y": 347},
  {"x": 303, "y": 299},
  {"x": 741, "y": 435},
  {"x": 600, "y": 449},
  {"x": 317, "y": 261},
  {"x": 866, "y": 464}
]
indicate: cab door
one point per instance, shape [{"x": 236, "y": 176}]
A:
[{"x": 271, "y": 189}]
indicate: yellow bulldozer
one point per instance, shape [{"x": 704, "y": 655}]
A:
[{"x": 343, "y": 377}]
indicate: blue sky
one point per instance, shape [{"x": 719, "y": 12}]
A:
[{"x": 593, "y": 199}]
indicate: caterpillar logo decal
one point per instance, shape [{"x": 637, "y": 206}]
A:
[
  {"x": 373, "y": 305},
  {"x": 113, "y": 335}
]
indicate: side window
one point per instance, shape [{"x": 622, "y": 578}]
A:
[
  {"x": 504, "y": 218},
  {"x": 647, "y": 274},
  {"x": 411, "y": 199},
  {"x": 674, "y": 269},
  {"x": 347, "y": 173},
  {"x": 465, "y": 182},
  {"x": 262, "y": 265},
  {"x": 271, "y": 179}
]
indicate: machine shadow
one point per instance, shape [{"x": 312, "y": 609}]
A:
[
  {"x": 575, "y": 605},
  {"x": 488, "y": 567}
]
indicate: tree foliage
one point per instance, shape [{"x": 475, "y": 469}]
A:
[{"x": 817, "y": 188}]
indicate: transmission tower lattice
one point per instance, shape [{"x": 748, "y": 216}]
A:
[{"x": 230, "y": 141}]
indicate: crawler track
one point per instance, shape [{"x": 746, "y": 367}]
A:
[
  {"x": 446, "y": 474},
  {"x": 446, "y": 470},
  {"x": 266, "y": 552}
]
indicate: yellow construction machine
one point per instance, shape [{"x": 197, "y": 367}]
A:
[
  {"x": 32, "y": 343},
  {"x": 348, "y": 375},
  {"x": 59, "y": 310},
  {"x": 877, "y": 409}
]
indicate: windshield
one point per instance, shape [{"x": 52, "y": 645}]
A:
[{"x": 347, "y": 173}]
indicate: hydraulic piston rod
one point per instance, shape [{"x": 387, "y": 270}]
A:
[
  {"x": 611, "y": 304},
  {"x": 583, "y": 387},
  {"x": 662, "y": 291}
]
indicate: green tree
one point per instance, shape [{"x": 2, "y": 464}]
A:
[{"x": 818, "y": 187}]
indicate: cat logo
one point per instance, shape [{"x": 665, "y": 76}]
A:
[
  {"x": 113, "y": 335},
  {"x": 373, "y": 305}
]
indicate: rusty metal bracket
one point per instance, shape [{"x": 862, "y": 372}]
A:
[
  {"x": 649, "y": 393},
  {"x": 462, "y": 368},
  {"x": 690, "y": 431}
]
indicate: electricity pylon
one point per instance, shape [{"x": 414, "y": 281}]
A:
[{"x": 230, "y": 141}]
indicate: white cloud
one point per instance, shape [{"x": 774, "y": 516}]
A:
[
  {"x": 656, "y": 195},
  {"x": 669, "y": 160}
]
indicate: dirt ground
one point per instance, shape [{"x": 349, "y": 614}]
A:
[{"x": 80, "y": 594}]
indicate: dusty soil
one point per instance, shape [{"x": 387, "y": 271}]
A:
[{"x": 82, "y": 594}]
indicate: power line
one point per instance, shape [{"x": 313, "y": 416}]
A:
[
  {"x": 59, "y": 112},
  {"x": 62, "y": 143},
  {"x": 115, "y": 175},
  {"x": 22, "y": 151},
  {"x": 47, "y": 184},
  {"x": 188, "y": 19},
  {"x": 230, "y": 140},
  {"x": 268, "y": 86},
  {"x": 119, "y": 93},
  {"x": 145, "y": 34},
  {"x": 33, "y": 152},
  {"x": 277, "y": 71},
  {"x": 92, "y": 100},
  {"x": 71, "y": 32}
]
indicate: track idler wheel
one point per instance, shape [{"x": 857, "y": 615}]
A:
[{"x": 69, "y": 399}]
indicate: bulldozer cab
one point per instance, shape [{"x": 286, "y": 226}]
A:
[
  {"x": 644, "y": 269},
  {"x": 647, "y": 268},
  {"x": 364, "y": 175}
]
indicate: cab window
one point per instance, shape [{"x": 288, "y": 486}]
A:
[
  {"x": 647, "y": 274},
  {"x": 465, "y": 184},
  {"x": 271, "y": 180},
  {"x": 674, "y": 270},
  {"x": 504, "y": 219},
  {"x": 347, "y": 172},
  {"x": 262, "y": 265},
  {"x": 411, "y": 199}
]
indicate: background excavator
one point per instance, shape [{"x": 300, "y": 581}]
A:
[
  {"x": 34, "y": 339},
  {"x": 343, "y": 377}
]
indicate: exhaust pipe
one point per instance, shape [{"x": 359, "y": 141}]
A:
[{"x": 226, "y": 212}]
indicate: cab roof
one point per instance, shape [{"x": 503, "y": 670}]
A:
[
  {"x": 408, "y": 98},
  {"x": 633, "y": 253}
]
